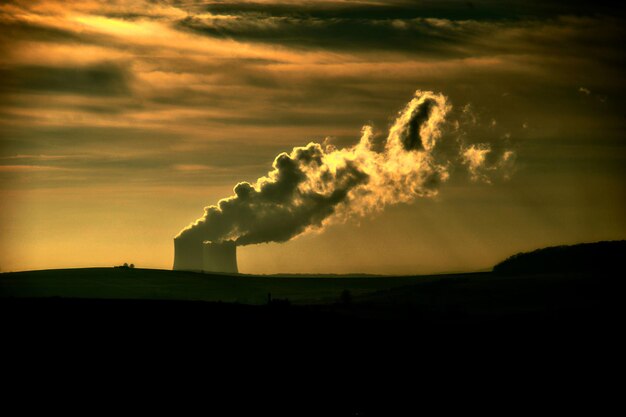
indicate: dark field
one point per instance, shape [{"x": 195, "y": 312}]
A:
[
  {"x": 126, "y": 283},
  {"x": 566, "y": 300},
  {"x": 482, "y": 295},
  {"x": 166, "y": 340}
]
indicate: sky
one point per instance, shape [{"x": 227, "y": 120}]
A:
[{"x": 121, "y": 120}]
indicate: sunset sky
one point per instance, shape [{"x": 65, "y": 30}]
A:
[{"x": 121, "y": 120}]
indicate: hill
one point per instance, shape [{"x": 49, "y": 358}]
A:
[
  {"x": 584, "y": 257},
  {"x": 365, "y": 343},
  {"x": 136, "y": 283},
  {"x": 565, "y": 281}
]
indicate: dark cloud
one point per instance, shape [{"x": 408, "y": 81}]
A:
[
  {"x": 45, "y": 139},
  {"x": 414, "y": 36},
  {"x": 278, "y": 209},
  {"x": 13, "y": 30},
  {"x": 310, "y": 184},
  {"x": 80, "y": 155},
  {"x": 408, "y": 9},
  {"x": 96, "y": 80},
  {"x": 21, "y": 30},
  {"x": 430, "y": 37},
  {"x": 411, "y": 138}
]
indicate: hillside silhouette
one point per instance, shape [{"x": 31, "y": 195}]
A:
[
  {"x": 350, "y": 335},
  {"x": 585, "y": 257},
  {"x": 563, "y": 284}
]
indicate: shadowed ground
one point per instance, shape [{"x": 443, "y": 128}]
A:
[
  {"x": 177, "y": 285},
  {"x": 347, "y": 346},
  {"x": 502, "y": 344}
]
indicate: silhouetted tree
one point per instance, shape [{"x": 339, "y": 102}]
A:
[
  {"x": 132, "y": 265},
  {"x": 125, "y": 265}
]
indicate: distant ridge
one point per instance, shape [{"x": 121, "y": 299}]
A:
[{"x": 585, "y": 257}]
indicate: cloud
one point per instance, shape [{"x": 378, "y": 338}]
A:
[
  {"x": 284, "y": 203},
  {"x": 474, "y": 157},
  {"x": 401, "y": 9},
  {"x": 100, "y": 77},
  {"x": 483, "y": 168},
  {"x": 433, "y": 29},
  {"x": 425, "y": 36},
  {"x": 100, "y": 80},
  {"x": 30, "y": 168},
  {"x": 314, "y": 185}
]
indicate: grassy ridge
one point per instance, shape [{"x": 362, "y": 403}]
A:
[
  {"x": 567, "y": 274},
  {"x": 518, "y": 330},
  {"x": 157, "y": 284},
  {"x": 606, "y": 256},
  {"x": 459, "y": 297}
]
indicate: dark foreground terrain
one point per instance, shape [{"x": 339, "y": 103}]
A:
[
  {"x": 478, "y": 342},
  {"x": 471, "y": 304},
  {"x": 496, "y": 342}
]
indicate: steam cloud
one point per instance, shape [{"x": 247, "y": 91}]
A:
[
  {"x": 314, "y": 185},
  {"x": 475, "y": 157}
]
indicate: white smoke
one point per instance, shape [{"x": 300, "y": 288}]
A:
[
  {"x": 475, "y": 157},
  {"x": 314, "y": 185}
]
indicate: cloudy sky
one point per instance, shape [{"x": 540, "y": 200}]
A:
[{"x": 121, "y": 120}]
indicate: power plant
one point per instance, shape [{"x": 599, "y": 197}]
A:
[
  {"x": 205, "y": 256},
  {"x": 219, "y": 257},
  {"x": 316, "y": 182},
  {"x": 187, "y": 255}
]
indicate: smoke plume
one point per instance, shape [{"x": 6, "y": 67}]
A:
[
  {"x": 316, "y": 184},
  {"x": 479, "y": 165}
]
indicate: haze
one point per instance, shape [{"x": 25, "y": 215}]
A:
[{"x": 120, "y": 121}]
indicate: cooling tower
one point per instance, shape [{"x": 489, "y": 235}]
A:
[
  {"x": 220, "y": 257},
  {"x": 187, "y": 255}
]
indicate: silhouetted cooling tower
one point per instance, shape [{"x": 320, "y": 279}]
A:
[
  {"x": 220, "y": 257},
  {"x": 187, "y": 255}
]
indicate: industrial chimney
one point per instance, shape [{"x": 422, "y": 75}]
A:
[
  {"x": 187, "y": 255},
  {"x": 219, "y": 257}
]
